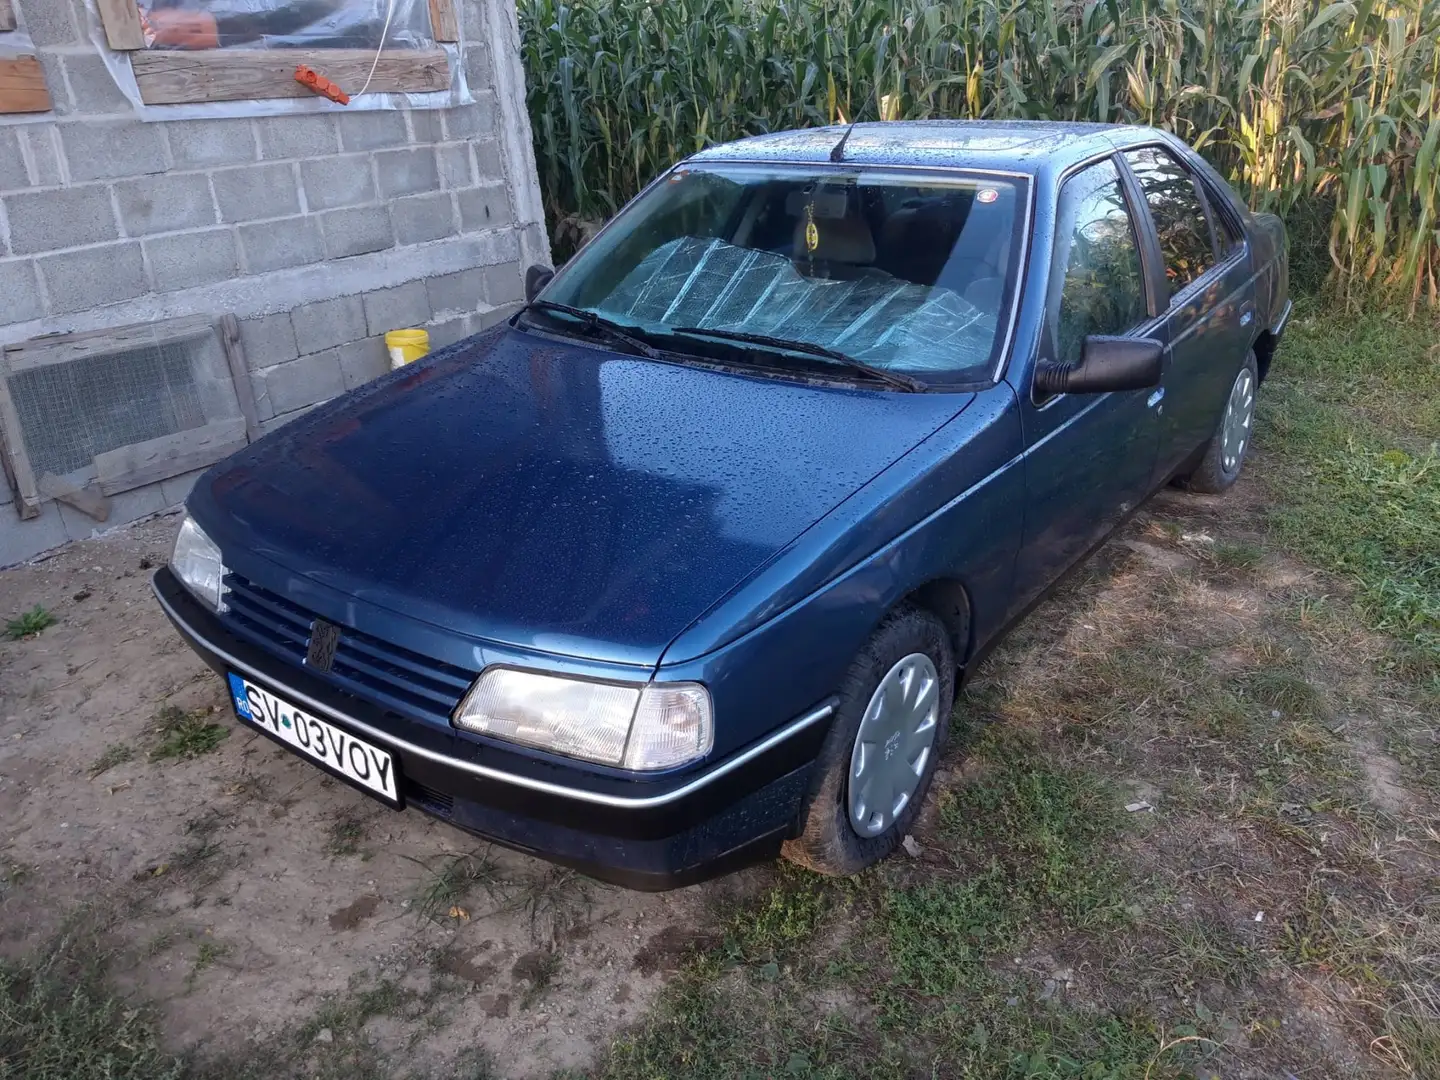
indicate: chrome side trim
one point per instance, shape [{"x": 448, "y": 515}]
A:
[
  {"x": 1280, "y": 323},
  {"x": 621, "y": 802}
]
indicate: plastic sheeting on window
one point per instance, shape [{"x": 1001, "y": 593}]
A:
[
  {"x": 286, "y": 24},
  {"x": 185, "y": 25},
  {"x": 874, "y": 317}
]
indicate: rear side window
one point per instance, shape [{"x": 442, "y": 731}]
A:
[
  {"x": 1103, "y": 288},
  {"x": 1179, "y": 215}
]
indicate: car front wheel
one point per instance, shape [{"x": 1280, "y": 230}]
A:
[{"x": 877, "y": 761}]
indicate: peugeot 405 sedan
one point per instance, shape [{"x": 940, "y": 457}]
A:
[{"x": 680, "y": 568}]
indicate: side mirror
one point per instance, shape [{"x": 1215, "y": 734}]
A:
[
  {"x": 1106, "y": 364},
  {"x": 536, "y": 278}
]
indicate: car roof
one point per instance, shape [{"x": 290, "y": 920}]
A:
[{"x": 1022, "y": 146}]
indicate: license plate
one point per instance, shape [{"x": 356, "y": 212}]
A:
[{"x": 364, "y": 765}]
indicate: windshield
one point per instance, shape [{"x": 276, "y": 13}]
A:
[{"x": 910, "y": 274}]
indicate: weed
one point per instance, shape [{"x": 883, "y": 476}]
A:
[
  {"x": 1236, "y": 554},
  {"x": 29, "y": 623},
  {"x": 185, "y": 735},
  {"x": 344, "y": 836},
  {"x": 114, "y": 754},
  {"x": 554, "y": 900},
  {"x": 205, "y": 956},
  {"x": 450, "y": 884},
  {"x": 539, "y": 972}
]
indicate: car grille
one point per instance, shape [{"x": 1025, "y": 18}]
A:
[{"x": 377, "y": 670}]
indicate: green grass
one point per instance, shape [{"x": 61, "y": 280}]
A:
[
  {"x": 184, "y": 735},
  {"x": 343, "y": 836},
  {"x": 29, "y": 623},
  {"x": 449, "y": 883},
  {"x": 113, "y": 755}
]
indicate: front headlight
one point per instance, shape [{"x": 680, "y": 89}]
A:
[
  {"x": 196, "y": 562},
  {"x": 649, "y": 726}
]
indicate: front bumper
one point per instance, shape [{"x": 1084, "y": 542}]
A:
[{"x": 650, "y": 834}]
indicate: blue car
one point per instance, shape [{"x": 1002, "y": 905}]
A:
[{"x": 681, "y": 567}]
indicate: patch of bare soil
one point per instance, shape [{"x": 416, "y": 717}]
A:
[{"x": 250, "y": 893}]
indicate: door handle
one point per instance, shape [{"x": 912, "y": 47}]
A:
[{"x": 1155, "y": 398}]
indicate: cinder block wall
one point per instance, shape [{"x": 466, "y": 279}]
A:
[{"x": 319, "y": 232}]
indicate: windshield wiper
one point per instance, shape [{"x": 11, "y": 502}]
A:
[
  {"x": 593, "y": 321},
  {"x": 892, "y": 378}
]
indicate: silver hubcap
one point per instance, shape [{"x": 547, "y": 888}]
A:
[
  {"x": 1235, "y": 429},
  {"x": 893, "y": 744}
]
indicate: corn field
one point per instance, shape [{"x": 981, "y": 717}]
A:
[{"x": 1306, "y": 105}]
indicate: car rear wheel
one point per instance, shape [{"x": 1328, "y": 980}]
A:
[
  {"x": 1225, "y": 453},
  {"x": 877, "y": 761}
]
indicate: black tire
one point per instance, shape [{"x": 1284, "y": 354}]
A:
[
  {"x": 1211, "y": 477},
  {"x": 828, "y": 843}
]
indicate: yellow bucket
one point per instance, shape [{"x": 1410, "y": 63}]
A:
[{"x": 406, "y": 346}]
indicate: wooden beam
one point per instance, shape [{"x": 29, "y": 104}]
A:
[
  {"x": 87, "y": 500},
  {"x": 174, "y": 78},
  {"x": 63, "y": 348},
  {"x": 122, "y": 24},
  {"x": 12, "y": 448},
  {"x": 22, "y": 86},
  {"x": 240, "y": 374},
  {"x": 170, "y": 455},
  {"x": 442, "y": 20},
  {"x": 7, "y": 16}
]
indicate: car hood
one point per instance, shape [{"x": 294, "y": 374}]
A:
[{"x": 555, "y": 496}]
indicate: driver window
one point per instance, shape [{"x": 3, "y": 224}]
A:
[{"x": 1102, "y": 290}]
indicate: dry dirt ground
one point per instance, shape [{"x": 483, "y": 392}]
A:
[{"x": 250, "y": 894}]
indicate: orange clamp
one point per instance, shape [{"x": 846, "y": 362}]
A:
[{"x": 308, "y": 77}]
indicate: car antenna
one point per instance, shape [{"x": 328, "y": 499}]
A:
[{"x": 837, "y": 152}]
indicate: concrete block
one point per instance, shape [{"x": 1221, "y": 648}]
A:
[
  {"x": 485, "y": 208},
  {"x": 450, "y": 331},
  {"x": 356, "y": 231},
  {"x": 305, "y": 136},
  {"x": 307, "y": 381},
  {"x": 486, "y": 319},
  {"x": 256, "y": 191},
  {"x": 90, "y": 277},
  {"x": 268, "y": 340},
  {"x": 165, "y": 203},
  {"x": 21, "y": 540},
  {"x": 462, "y": 292},
  {"x": 488, "y": 163},
  {"x": 426, "y": 127},
  {"x": 177, "y": 489},
  {"x": 44, "y": 143},
  {"x": 193, "y": 258},
  {"x": 201, "y": 143},
  {"x": 504, "y": 284},
  {"x": 475, "y": 121},
  {"x": 105, "y": 149},
  {"x": 48, "y": 220},
  {"x": 328, "y": 323},
  {"x": 406, "y": 172},
  {"x": 124, "y": 506},
  {"x": 92, "y": 87},
  {"x": 13, "y": 174},
  {"x": 372, "y": 130},
  {"x": 363, "y": 360},
  {"x": 332, "y": 182},
  {"x": 53, "y": 72},
  {"x": 399, "y": 308},
  {"x": 275, "y": 245},
  {"x": 455, "y": 167},
  {"x": 477, "y": 66},
  {"x": 20, "y": 291},
  {"x": 423, "y": 217},
  {"x": 49, "y": 22}
]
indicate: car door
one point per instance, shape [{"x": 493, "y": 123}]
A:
[
  {"x": 1089, "y": 458},
  {"x": 1209, "y": 306}
]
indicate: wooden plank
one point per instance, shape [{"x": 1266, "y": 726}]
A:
[
  {"x": 63, "y": 348},
  {"x": 7, "y": 16},
  {"x": 87, "y": 500},
  {"x": 170, "y": 455},
  {"x": 122, "y": 24},
  {"x": 443, "y": 23},
  {"x": 22, "y": 86},
  {"x": 173, "y": 78},
  {"x": 240, "y": 374},
  {"x": 12, "y": 445}
]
